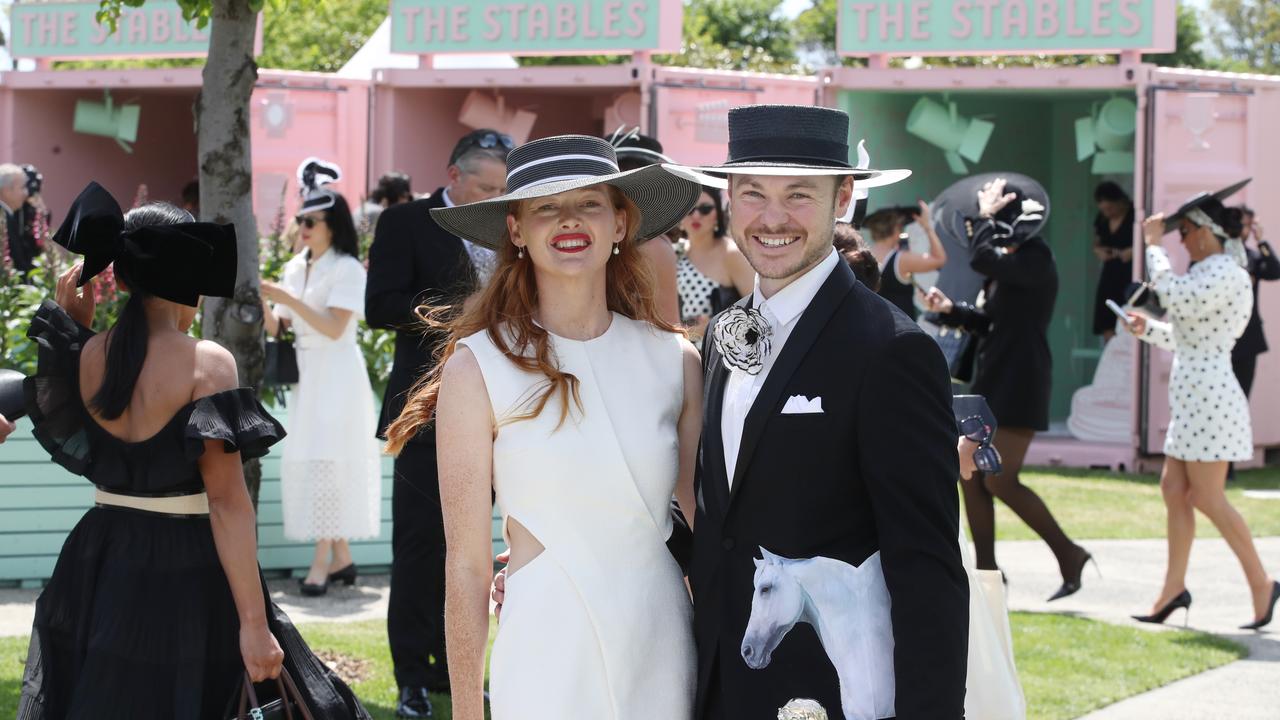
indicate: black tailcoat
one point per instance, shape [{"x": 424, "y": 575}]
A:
[{"x": 875, "y": 471}]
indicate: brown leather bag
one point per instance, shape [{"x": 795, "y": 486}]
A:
[{"x": 290, "y": 706}]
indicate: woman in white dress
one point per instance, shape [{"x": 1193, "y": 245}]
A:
[
  {"x": 563, "y": 391},
  {"x": 1208, "y": 309},
  {"x": 330, "y": 474}
]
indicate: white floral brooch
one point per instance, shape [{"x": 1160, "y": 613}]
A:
[{"x": 742, "y": 336}]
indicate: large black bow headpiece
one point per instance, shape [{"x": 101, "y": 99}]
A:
[{"x": 177, "y": 262}]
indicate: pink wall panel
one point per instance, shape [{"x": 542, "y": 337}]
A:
[{"x": 1261, "y": 195}]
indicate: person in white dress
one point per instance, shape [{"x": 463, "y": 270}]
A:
[
  {"x": 331, "y": 471},
  {"x": 563, "y": 391},
  {"x": 1208, "y": 309}
]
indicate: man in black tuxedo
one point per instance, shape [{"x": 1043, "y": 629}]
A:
[
  {"x": 414, "y": 262},
  {"x": 828, "y": 453},
  {"x": 13, "y": 196}
]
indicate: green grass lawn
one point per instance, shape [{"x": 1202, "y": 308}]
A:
[
  {"x": 1090, "y": 504},
  {"x": 1068, "y": 666}
]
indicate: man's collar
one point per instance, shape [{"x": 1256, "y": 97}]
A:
[
  {"x": 448, "y": 201},
  {"x": 787, "y": 304}
]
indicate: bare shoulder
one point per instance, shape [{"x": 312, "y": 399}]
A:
[
  {"x": 215, "y": 369},
  {"x": 461, "y": 373},
  {"x": 691, "y": 357}
]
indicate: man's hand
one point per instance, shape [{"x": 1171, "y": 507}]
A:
[{"x": 78, "y": 302}]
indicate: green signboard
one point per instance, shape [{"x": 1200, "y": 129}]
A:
[
  {"x": 71, "y": 30},
  {"x": 987, "y": 27},
  {"x": 553, "y": 27}
]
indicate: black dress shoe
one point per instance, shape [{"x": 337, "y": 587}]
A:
[
  {"x": 346, "y": 576},
  {"x": 414, "y": 703},
  {"x": 1266, "y": 619}
]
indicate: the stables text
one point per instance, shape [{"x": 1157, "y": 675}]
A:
[
  {"x": 71, "y": 30},
  {"x": 959, "y": 27}
]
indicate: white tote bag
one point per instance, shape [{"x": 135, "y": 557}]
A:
[{"x": 993, "y": 691}]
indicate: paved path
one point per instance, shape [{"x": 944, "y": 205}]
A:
[{"x": 1132, "y": 572}]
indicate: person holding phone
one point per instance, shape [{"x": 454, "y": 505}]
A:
[
  {"x": 1209, "y": 425},
  {"x": 898, "y": 263}
]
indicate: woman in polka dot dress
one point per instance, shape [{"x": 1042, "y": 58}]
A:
[
  {"x": 1208, "y": 309},
  {"x": 711, "y": 272}
]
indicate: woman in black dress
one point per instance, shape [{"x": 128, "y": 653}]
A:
[
  {"x": 156, "y": 607},
  {"x": 1015, "y": 367},
  {"x": 1113, "y": 244}
]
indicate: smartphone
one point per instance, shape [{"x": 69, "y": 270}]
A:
[
  {"x": 1119, "y": 311},
  {"x": 904, "y": 242}
]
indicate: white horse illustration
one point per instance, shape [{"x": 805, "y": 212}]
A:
[{"x": 849, "y": 609}]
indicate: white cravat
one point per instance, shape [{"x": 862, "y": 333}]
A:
[
  {"x": 484, "y": 260},
  {"x": 782, "y": 311}
]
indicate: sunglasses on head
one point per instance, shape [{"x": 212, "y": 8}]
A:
[
  {"x": 985, "y": 458},
  {"x": 486, "y": 140},
  {"x": 308, "y": 222},
  {"x": 703, "y": 209}
]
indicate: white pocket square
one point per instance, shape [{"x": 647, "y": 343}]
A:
[{"x": 801, "y": 405}]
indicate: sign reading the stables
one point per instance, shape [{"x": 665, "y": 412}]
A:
[
  {"x": 71, "y": 30},
  {"x": 533, "y": 27},
  {"x": 990, "y": 27}
]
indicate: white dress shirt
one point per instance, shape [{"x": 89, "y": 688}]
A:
[
  {"x": 484, "y": 260},
  {"x": 781, "y": 311}
]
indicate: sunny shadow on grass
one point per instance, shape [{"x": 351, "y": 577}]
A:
[
  {"x": 1069, "y": 666},
  {"x": 1091, "y": 504}
]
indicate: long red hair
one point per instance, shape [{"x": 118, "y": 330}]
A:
[{"x": 504, "y": 309}]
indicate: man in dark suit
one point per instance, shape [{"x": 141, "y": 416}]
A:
[
  {"x": 13, "y": 195},
  {"x": 826, "y": 562},
  {"x": 413, "y": 262}
]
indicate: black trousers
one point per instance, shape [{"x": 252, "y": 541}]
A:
[{"x": 415, "y": 612}]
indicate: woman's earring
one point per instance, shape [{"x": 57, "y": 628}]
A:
[
  {"x": 520, "y": 253},
  {"x": 616, "y": 251}
]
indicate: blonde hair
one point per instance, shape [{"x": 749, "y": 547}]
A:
[{"x": 504, "y": 309}]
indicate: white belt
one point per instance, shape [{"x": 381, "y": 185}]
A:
[{"x": 195, "y": 504}]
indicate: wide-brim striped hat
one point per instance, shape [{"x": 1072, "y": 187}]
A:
[
  {"x": 558, "y": 164},
  {"x": 794, "y": 140}
]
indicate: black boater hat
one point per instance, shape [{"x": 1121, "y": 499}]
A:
[
  {"x": 540, "y": 168},
  {"x": 794, "y": 140},
  {"x": 1208, "y": 203}
]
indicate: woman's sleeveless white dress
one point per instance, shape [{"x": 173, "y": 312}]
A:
[{"x": 600, "y": 624}]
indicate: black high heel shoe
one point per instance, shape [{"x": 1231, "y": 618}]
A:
[
  {"x": 346, "y": 576},
  {"x": 1266, "y": 619},
  {"x": 313, "y": 590},
  {"x": 1071, "y": 584},
  {"x": 1181, "y": 600}
]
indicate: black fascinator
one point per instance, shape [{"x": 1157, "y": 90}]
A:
[{"x": 177, "y": 262}]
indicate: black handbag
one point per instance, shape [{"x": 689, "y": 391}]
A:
[
  {"x": 280, "y": 364},
  {"x": 289, "y": 706},
  {"x": 958, "y": 347}
]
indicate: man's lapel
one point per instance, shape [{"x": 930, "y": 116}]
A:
[
  {"x": 806, "y": 332},
  {"x": 717, "y": 375}
]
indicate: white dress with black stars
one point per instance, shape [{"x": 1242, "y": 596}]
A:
[{"x": 1208, "y": 308}]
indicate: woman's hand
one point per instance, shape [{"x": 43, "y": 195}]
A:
[
  {"x": 1137, "y": 324},
  {"x": 937, "y": 301},
  {"x": 1125, "y": 255},
  {"x": 78, "y": 302},
  {"x": 992, "y": 198},
  {"x": 274, "y": 293},
  {"x": 1153, "y": 229},
  {"x": 925, "y": 218},
  {"x": 262, "y": 655},
  {"x": 6, "y": 428}
]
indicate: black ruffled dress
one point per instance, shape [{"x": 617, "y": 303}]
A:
[{"x": 138, "y": 620}]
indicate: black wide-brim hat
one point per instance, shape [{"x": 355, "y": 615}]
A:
[
  {"x": 1199, "y": 200},
  {"x": 794, "y": 140},
  {"x": 959, "y": 202},
  {"x": 562, "y": 163}
]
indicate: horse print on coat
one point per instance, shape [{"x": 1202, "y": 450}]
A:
[{"x": 848, "y": 607}]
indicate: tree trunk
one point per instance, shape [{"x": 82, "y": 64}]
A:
[{"x": 226, "y": 187}]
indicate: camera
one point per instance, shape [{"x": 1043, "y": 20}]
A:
[{"x": 34, "y": 179}]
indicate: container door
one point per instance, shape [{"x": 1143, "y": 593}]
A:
[
  {"x": 689, "y": 112},
  {"x": 1197, "y": 140}
]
